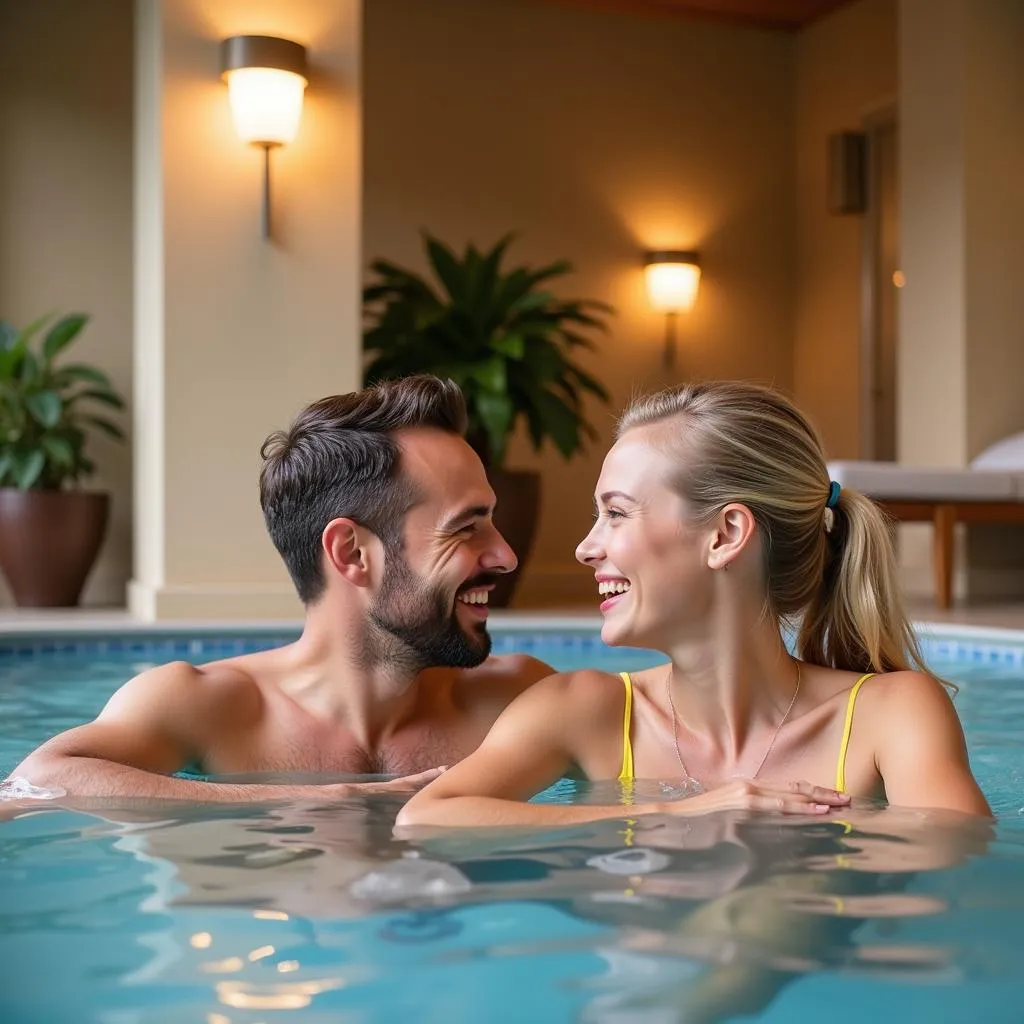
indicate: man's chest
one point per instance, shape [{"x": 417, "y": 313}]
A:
[{"x": 292, "y": 746}]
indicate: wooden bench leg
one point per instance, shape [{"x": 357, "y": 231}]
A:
[{"x": 943, "y": 538}]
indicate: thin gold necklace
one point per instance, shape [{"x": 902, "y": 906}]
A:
[{"x": 689, "y": 782}]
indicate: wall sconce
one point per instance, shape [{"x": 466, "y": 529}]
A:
[
  {"x": 672, "y": 280},
  {"x": 266, "y": 80}
]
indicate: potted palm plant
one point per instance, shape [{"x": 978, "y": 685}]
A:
[
  {"x": 50, "y": 529},
  {"x": 508, "y": 343}
]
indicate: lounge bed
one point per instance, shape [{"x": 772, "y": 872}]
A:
[{"x": 990, "y": 491}]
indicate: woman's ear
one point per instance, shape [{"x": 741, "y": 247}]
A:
[
  {"x": 734, "y": 527},
  {"x": 348, "y": 548}
]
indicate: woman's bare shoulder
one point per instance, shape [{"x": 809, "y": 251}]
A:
[{"x": 587, "y": 694}]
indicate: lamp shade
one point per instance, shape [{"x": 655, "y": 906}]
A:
[
  {"x": 672, "y": 280},
  {"x": 266, "y": 80}
]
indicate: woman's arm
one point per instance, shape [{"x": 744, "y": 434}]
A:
[
  {"x": 536, "y": 741},
  {"x": 920, "y": 752},
  {"x": 531, "y": 745}
]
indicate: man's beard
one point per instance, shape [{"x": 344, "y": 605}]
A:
[{"x": 416, "y": 625}]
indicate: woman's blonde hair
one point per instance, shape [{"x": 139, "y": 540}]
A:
[{"x": 743, "y": 443}]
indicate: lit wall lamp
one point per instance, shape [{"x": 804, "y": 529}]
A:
[
  {"x": 672, "y": 279},
  {"x": 266, "y": 80}
]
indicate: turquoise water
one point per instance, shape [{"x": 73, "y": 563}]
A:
[{"x": 308, "y": 912}]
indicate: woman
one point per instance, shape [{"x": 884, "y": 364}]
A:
[{"x": 716, "y": 524}]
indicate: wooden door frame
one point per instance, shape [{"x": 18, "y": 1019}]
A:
[{"x": 883, "y": 116}]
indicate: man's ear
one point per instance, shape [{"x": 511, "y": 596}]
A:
[
  {"x": 733, "y": 529},
  {"x": 348, "y": 548}
]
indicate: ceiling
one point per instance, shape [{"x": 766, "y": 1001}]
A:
[{"x": 779, "y": 14}]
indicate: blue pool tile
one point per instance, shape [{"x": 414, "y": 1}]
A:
[{"x": 576, "y": 644}]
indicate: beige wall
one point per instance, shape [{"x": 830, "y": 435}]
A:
[
  {"x": 932, "y": 374},
  {"x": 234, "y": 333},
  {"x": 65, "y": 207},
  {"x": 962, "y": 360},
  {"x": 595, "y": 135},
  {"x": 846, "y": 68},
  {"x": 994, "y": 185},
  {"x": 961, "y": 354}
]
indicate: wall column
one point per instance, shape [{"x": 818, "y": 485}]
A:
[
  {"x": 961, "y": 360},
  {"x": 234, "y": 333}
]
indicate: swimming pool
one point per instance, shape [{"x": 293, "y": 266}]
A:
[{"x": 309, "y": 913}]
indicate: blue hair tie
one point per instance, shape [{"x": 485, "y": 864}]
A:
[{"x": 833, "y": 494}]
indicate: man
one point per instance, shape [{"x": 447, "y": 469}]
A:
[{"x": 382, "y": 514}]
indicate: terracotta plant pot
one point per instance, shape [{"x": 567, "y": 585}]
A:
[
  {"x": 515, "y": 516},
  {"x": 49, "y": 541}
]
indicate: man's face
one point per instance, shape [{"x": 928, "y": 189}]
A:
[{"x": 433, "y": 596}]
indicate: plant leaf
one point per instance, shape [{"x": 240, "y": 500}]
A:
[
  {"x": 29, "y": 371},
  {"x": 544, "y": 360},
  {"x": 499, "y": 334},
  {"x": 511, "y": 345},
  {"x": 28, "y": 469},
  {"x": 491, "y": 375},
  {"x": 560, "y": 422},
  {"x": 111, "y": 429},
  {"x": 62, "y": 333},
  {"x": 6, "y": 463},
  {"x": 28, "y": 333},
  {"x": 80, "y": 372},
  {"x": 8, "y": 335},
  {"x": 10, "y": 359},
  {"x": 496, "y": 413},
  {"x": 448, "y": 269},
  {"x": 59, "y": 449},
  {"x": 105, "y": 396},
  {"x": 589, "y": 383},
  {"x": 46, "y": 407}
]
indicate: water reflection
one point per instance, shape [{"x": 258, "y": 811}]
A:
[{"x": 312, "y": 906}]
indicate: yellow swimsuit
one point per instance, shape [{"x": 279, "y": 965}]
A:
[{"x": 626, "y": 773}]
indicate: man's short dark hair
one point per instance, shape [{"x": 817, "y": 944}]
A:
[{"x": 338, "y": 459}]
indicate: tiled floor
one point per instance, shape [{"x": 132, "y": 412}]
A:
[{"x": 996, "y": 616}]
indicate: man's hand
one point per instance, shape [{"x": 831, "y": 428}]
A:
[{"x": 407, "y": 784}]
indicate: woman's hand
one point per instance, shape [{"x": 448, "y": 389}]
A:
[{"x": 748, "y": 795}]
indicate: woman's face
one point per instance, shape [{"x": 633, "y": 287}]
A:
[{"x": 650, "y": 565}]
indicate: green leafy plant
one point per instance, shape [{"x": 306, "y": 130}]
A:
[
  {"x": 501, "y": 337},
  {"x": 47, "y": 407}
]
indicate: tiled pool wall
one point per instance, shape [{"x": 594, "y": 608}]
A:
[{"x": 939, "y": 645}]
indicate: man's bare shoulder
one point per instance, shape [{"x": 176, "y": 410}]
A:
[
  {"x": 493, "y": 685},
  {"x": 506, "y": 673},
  {"x": 199, "y": 689}
]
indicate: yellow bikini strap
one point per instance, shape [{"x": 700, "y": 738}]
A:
[
  {"x": 847, "y": 729},
  {"x": 626, "y": 773}
]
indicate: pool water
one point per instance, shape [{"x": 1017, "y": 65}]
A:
[{"x": 307, "y": 912}]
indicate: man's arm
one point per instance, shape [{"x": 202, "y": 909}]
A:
[
  {"x": 921, "y": 753},
  {"x": 158, "y": 723}
]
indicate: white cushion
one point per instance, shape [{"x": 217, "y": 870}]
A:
[
  {"x": 914, "y": 483},
  {"x": 1005, "y": 454}
]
